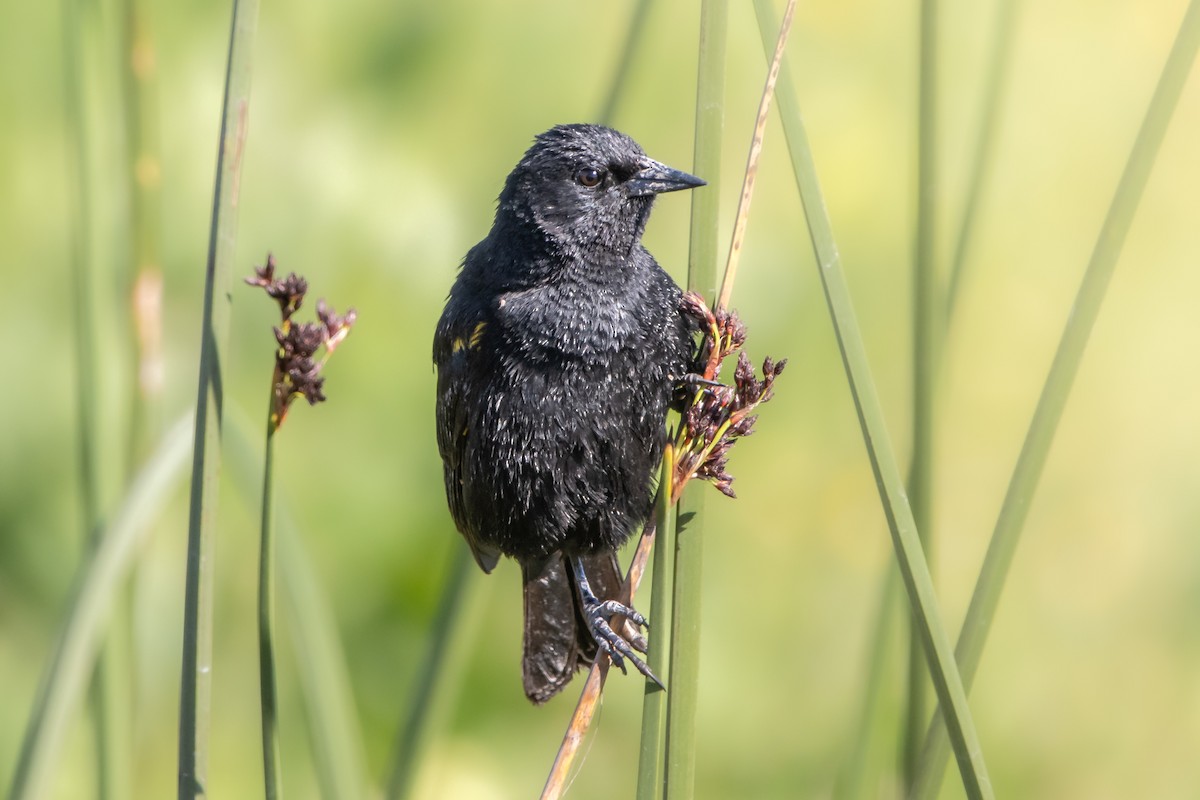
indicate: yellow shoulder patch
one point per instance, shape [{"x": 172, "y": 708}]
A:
[
  {"x": 469, "y": 344},
  {"x": 477, "y": 335}
]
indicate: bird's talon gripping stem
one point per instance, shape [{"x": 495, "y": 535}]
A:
[{"x": 598, "y": 615}]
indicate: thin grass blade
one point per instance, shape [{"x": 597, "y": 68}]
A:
[
  {"x": 196, "y": 681},
  {"x": 851, "y": 784}
]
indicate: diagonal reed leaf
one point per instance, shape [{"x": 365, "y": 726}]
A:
[
  {"x": 1066, "y": 362},
  {"x": 93, "y": 598},
  {"x": 913, "y": 567},
  {"x": 851, "y": 783}
]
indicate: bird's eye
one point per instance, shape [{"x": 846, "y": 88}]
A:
[{"x": 589, "y": 177}]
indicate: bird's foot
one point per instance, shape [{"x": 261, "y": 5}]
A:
[{"x": 599, "y": 616}]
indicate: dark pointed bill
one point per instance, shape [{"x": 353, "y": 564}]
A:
[{"x": 656, "y": 178}]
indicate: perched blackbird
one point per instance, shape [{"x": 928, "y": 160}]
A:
[{"x": 558, "y": 353}]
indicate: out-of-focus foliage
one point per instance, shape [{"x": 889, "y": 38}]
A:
[{"x": 379, "y": 137}]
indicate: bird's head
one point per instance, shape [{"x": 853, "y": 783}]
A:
[{"x": 588, "y": 189}]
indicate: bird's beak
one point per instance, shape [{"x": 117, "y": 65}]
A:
[{"x": 656, "y": 178}]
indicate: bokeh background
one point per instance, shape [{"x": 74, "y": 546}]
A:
[{"x": 379, "y": 136}]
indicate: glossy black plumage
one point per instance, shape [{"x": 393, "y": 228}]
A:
[{"x": 557, "y": 356}]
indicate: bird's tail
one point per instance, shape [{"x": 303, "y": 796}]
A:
[{"x": 557, "y": 639}]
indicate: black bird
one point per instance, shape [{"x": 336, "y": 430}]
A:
[{"x": 558, "y": 353}]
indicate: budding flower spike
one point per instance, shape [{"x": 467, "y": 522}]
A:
[{"x": 297, "y": 372}]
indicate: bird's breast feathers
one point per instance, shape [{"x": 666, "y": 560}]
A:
[{"x": 573, "y": 319}]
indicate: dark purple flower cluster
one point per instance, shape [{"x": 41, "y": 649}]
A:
[
  {"x": 297, "y": 372},
  {"x": 719, "y": 414}
]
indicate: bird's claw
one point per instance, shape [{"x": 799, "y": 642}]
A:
[
  {"x": 599, "y": 614},
  {"x": 613, "y": 644}
]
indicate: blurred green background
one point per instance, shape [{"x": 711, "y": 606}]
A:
[{"x": 379, "y": 136}]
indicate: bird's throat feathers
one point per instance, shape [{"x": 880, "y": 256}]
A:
[{"x": 548, "y": 257}]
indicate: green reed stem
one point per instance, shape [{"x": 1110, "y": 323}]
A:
[
  {"x": 268, "y": 695},
  {"x": 652, "y": 756},
  {"x": 927, "y": 340},
  {"x": 685, "y": 578}
]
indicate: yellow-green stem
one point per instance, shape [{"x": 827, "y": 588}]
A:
[
  {"x": 927, "y": 334},
  {"x": 268, "y": 696},
  {"x": 654, "y": 704}
]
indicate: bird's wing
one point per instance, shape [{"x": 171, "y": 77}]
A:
[{"x": 455, "y": 350}]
